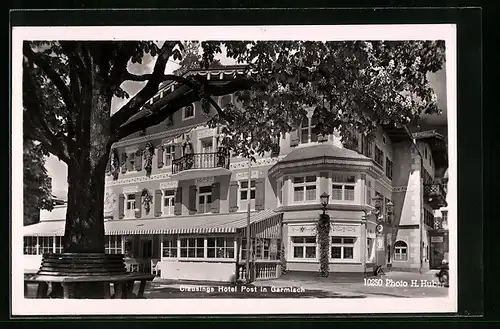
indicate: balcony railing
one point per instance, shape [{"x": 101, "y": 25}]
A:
[
  {"x": 435, "y": 195},
  {"x": 200, "y": 161}
]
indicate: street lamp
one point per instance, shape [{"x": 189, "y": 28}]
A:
[{"x": 324, "y": 201}]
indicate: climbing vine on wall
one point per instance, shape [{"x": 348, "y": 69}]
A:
[
  {"x": 149, "y": 151},
  {"x": 115, "y": 164},
  {"x": 323, "y": 242}
]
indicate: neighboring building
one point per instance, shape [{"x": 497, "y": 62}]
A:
[{"x": 178, "y": 201}]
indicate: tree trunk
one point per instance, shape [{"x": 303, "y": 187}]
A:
[{"x": 323, "y": 242}]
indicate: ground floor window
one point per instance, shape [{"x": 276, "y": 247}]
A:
[
  {"x": 46, "y": 244},
  {"x": 261, "y": 249},
  {"x": 30, "y": 245},
  {"x": 192, "y": 248},
  {"x": 342, "y": 248},
  {"x": 59, "y": 244},
  {"x": 220, "y": 247},
  {"x": 400, "y": 251},
  {"x": 169, "y": 247},
  {"x": 113, "y": 244},
  {"x": 304, "y": 247}
]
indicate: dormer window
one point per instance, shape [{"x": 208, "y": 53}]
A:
[
  {"x": 188, "y": 112},
  {"x": 308, "y": 132}
]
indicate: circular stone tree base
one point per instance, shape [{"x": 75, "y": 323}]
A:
[{"x": 81, "y": 265}]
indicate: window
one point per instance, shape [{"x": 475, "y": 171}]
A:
[
  {"x": 30, "y": 246},
  {"x": 308, "y": 132},
  {"x": 169, "y": 155},
  {"x": 304, "y": 247},
  {"x": 428, "y": 218},
  {"x": 388, "y": 168},
  {"x": 168, "y": 202},
  {"x": 46, "y": 244},
  {"x": 367, "y": 146},
  {"x": 220, "y": 247},
  {"x": 130, "y": 206},
  {"x": 131, "y": 161},
  {"x": 204, "y": 199},
  {"x": 400, "y": 251},
  {"x": 380, "y": 200},
  {"x": 192, "y": 248},
  {"x": 369, "y": 198},
  {"x": 343, "y": 187},
  {"x": 113, "y": 244},
  {"x": 388, "y": 215},
  {"x": 280, "y": 193},
  {"x": 304, "y": 188},
  {"x": 342, "y": 248},
  {"x": 170, "y": 247},
  {"x": 379, "y": 156},
  {"x": 445, "y": 215},
  {"x": 244, "y": 195},
  {"x": 59, "y": 244},
  {"x": 188, "y": 112}
]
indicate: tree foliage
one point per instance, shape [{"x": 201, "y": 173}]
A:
[
  {"x": 350, "y": 86},
  {"x": 37, "y": 190},
  {"x": 68, "y": 87}
]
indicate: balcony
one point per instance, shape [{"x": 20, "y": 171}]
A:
[
  {"x": 199, "y": 165},
  {"x": 435, "y": 195}
]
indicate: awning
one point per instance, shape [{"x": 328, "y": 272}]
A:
[
  {"x": 264, "y": 224},
  {"x": 48, "y": 228}
]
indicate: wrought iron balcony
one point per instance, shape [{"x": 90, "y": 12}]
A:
[
  {"x": 435, "y": 195},
  {"x": 190, "y": 163}
]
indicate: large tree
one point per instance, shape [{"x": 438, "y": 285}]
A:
[{"x": 68, "y": 87}]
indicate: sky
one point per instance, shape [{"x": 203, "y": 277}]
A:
[{"x": 58, "y": 170}]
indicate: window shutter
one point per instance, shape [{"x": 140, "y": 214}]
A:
[
  {"x": 138, "y": 161},
  {"x": 260, "y": 189},
  {"x": 108, "y": 167},
  {"x": 322, "y": 138},
  {"x": 158, "y": 203},
  {"x": 159, "y": 155},
  {"x": 215, "y": 206},
  {"x": 294, "y": 137},
  {"x": 192, "y": 199},
  {"x": 178, "y": 201},
  {"x": 233, "y": 196},
  {"x": 138, "y": 212},
  {"x": 121, "y": 205}
]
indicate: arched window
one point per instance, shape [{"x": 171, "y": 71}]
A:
[{"x": 400, "y": 251}]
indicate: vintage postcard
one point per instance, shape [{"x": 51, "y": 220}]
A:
[{"x": 218, "y": 170}]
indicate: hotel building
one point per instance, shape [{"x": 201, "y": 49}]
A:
[{"x": 176, "y": 201}]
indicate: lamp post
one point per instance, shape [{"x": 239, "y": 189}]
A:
[{"x": 323, "y": 232}]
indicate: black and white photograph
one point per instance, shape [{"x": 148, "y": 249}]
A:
[{"x": 234, "y": 170}]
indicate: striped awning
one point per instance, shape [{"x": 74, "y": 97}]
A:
[
  {"x": 47, "y": 228},
  {"x": 265, "y": 223}
]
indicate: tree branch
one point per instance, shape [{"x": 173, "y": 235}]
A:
[
  {"x": 43, "y": 64},
  {"x": 124, "y": 54},
  {"x": 133, "y": 106}
]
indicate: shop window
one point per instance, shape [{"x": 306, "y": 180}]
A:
[
  {"x": 168, "y": 202},
  {"x": 204, "y": 199},
  {"x": 245, "y": 195},
  {"x": 400, "y": 251},
  {"x": 304, "y": 189},
  {"x": 192, "y": 248},
  {"x": 343, "y": 187},
  {"x": 379, "y": 156},
  {"x": 30, "y": 245},
  {"x": 342, "y": 248},
  {"x": 113, "y": 244},
  {"x": 169, "y": 247},
  {"x": 220, "y": 247},
  {"x": 304, "y": 247}
]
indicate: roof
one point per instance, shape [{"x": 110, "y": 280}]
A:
[
  {"x": 198, "y": 224},
  {"x": 323, "y": 150}
]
